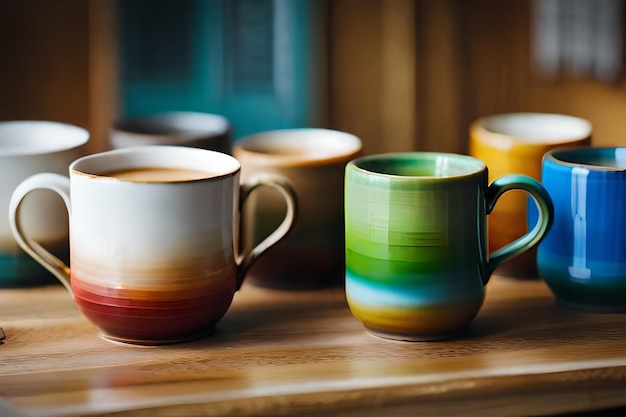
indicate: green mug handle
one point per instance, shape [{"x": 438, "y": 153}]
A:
[{"x": 533, "y": 236}]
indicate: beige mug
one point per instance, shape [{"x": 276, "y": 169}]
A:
[{"x": 313, "y": 160}]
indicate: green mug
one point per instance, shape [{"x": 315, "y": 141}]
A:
[{"x": 417, "y": 257}]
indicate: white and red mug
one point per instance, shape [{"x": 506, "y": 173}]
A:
[{"x": 153, "y": 245}]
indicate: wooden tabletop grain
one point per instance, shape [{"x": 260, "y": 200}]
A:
[{"x": 279, "y": 353}]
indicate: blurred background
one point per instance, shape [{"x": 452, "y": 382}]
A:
[{"x": 400, "y": 74}]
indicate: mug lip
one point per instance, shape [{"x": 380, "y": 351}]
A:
[
  {"x": 72, "y": 137},
  {"x": 482, "y": 129},
  {"x": 208, "y": 125},
  {"x": 257, "y": 147},
  {"x": 481, "y": 166},
  {"x": 168, "y": 156},
  {"x": 556, "y": 157}
]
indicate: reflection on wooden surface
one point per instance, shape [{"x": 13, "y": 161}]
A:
[{"x": 303, "y": 353}]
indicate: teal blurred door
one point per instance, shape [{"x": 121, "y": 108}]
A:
[{"x": 260, "y": 63}]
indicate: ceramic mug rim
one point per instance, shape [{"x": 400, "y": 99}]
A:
[
  {"x": 466, "y": 160},
  {"x": 579, "y": 157},
  {"x": 203, "y": 125},
  {"x": 258, "y": 147},
  {"x": 485, "y": 129},
  {"x": 44, "y": 137},
  {"x": 154, "y": 156}
]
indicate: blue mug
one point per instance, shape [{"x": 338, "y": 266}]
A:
[{"x": 582, "y": 258}]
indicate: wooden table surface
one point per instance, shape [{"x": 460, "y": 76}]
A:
[{"x": 302, "y": 353}]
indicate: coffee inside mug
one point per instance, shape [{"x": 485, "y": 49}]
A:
[{"x": 154, "y": 165}]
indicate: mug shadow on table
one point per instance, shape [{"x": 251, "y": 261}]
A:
[
  {"x": 265, "y": 322},
  {"x": 546, "y": 324}
]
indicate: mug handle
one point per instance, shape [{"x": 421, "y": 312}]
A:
[
  {"x": 245, "y": 261},
  {"x": 60, "y": 185},
  {"x": 534, "y": 235}
]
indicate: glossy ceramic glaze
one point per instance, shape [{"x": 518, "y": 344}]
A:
[
  {"x": 26, "y": 148},
  {"x": 195, "y": 129},
  {"x": 313, "y": 160},
  {"x": 151, "y": 262},
  {"x": 583, "y": 257},
  {"x": 416, "y": 241},
  {"x": 514, "y": 143}
]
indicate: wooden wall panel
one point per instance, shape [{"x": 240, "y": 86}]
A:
[
  {"x": 401, "y": 88},
  {"x": 103, "y": 74},
  {"x": 398, "y": 82},
  {"x": 441, "y": 77},
  {"x": 498, "y": 48},
  {"x": 404, "y": 74},
  {"x": 603, "y": 105},
  {"x": 44, "y": 60},
  {"x": 372, "y": 66},
  {"x": 355, "y": 89},
  {"x": 58, "y": 63}
]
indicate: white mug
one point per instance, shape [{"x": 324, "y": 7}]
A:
[
  {"x": 152, "y": 238},
  {"x": 26, "y": 148}
]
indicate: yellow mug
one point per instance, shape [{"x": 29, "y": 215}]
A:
[{"x": 514, "y": 143}]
